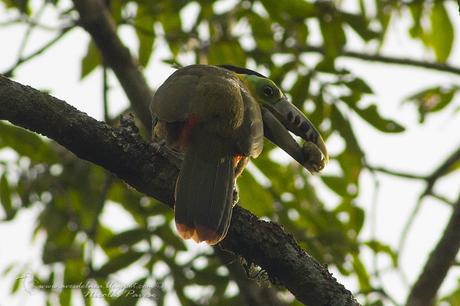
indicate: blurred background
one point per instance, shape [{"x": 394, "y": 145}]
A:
[{"x": 379, "y": 79}]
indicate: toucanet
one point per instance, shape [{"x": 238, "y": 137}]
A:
[{"x": 217, "y": 117}]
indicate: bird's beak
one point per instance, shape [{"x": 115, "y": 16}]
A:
[{"x": 283, "y": 117}]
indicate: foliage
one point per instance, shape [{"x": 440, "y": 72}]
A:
[{"x": 272, "y": 36}]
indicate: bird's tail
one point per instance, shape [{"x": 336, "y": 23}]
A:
[{"x": 204, "y": 194}]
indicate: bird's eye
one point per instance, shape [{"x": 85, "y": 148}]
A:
[{"x": 269, "y": 91}]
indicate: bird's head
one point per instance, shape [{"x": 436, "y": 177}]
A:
[{"x": 281, "y": 117}]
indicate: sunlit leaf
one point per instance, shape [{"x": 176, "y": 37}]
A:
[
  {"x": 372, "y": 116},
  {"x": 333, "y": 35},
  {"x": 337, "y": 184},
  {"x": 132, "y": 294},
  {"x": 254, "y": 196},
  {"x": 65, "y": 296},
  {"x": 129, "y": 237},
  {"x": 120, "y": 262},
  {"x": 343, "y": 126},
  {"x": 442, "y": 31},
  {"x": 26, "y": 143},
  {"x": 432, "y": 99},
  {"x": 361, "y": 273},
  {"x": 453, "y": 298},
  {"x": 300, "y": 90},
  {"x": 145, "y": 34},
  {"x": 284, "y": 10},
  {"x": 5, "y": 197},
  {"x": 360, "y": 25},
  {"x": 226, "y": 52},
  {"x": 379, "y": 247},
  {"x": 91, "y": 60}
]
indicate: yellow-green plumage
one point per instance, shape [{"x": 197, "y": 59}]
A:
[
  {"x": 216, "y": 117},
  {"x": 220, "y": 123}
]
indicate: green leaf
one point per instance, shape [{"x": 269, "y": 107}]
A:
[
  {"x": 172, "y": 26},
  {"x": 118, "y": 263},
  {"x": 74, "y": 273},
  {"x": 90, "y": 61},
  {"x": 283, "y": 11},
  {"x": 17, "y": 283},
  {"x": 26, "y": 143},
  {"x": 336, "y": 184},
  {"x": 333, "y": 34},
  {"x": 21, "y": 5},
  {"x": 360, "y": 25},
  {"x": 166, "y": 234},
  {"x": 261, "y": 29},
  {"x": 442, "y": 31},
  {"x": 384, "y": 12},
  {"x": 65, "y": 297},
  {"x": 358, "y": 84},
  {"x": 432, "y": 100},
  {"x": 416, "y": 30},
  {"x": 361, "y": 272},
  {"x": 254, "y": 196},
  {"x": 131, "y": 295},
  {"x": 379, "y": 247},
  {"x": 453, "y": 298},
  {"x": 343, "y": 126},
  {"x": 351, "y": 164},
  {"x": 144, "y": 30},
  {"x": 224, "y": 52},
  {"x": 300, "y": 90},
  {"x": 128, "y": 238},
  {"x": 372, "y": 116},
  {"x": 5, "y": 197}
]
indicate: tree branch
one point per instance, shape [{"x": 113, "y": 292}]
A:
[
  {"x": 95, "y": 18},
  {"x": 406, "y": 61},
  {"x": 144, "y": 167},
  {"x": 424, "y": 291}
]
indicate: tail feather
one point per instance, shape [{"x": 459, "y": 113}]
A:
[{"x": 204, "y": 196}]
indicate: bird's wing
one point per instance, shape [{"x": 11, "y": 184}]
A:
[
  {"x": 171, "y": 102},
  {"x": 250, "y": 138}
]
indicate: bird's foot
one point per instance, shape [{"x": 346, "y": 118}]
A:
[
  {"x": 173, "y": 156},
  {"x": 236, "y": 196}
]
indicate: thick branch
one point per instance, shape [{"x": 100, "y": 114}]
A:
[
  {"x": 424, "y": 291},
  {"x": 97, "y": 21},
  {"x": 142, "y": 166}
]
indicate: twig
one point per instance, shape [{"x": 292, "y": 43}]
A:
[
  {"x": 404, "y": 235},
  {"x": 105, "y": 96},
  {"x": 406, "y": 61},
  {"x": 396, "y": 173},
  {"x": 29, "y": 30},
  {"x": 441, "y": 171},
  {"x": 22, "y": 60}
]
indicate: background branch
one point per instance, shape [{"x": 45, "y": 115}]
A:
[
  {"x": 405, "y": 61},
  {"x": 95, "y": 18},
  {"x": 424, "y": 291},
  {"x": 141, "y": 165}
]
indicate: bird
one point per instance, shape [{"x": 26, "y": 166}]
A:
[{"x": 216, "y": 117}]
